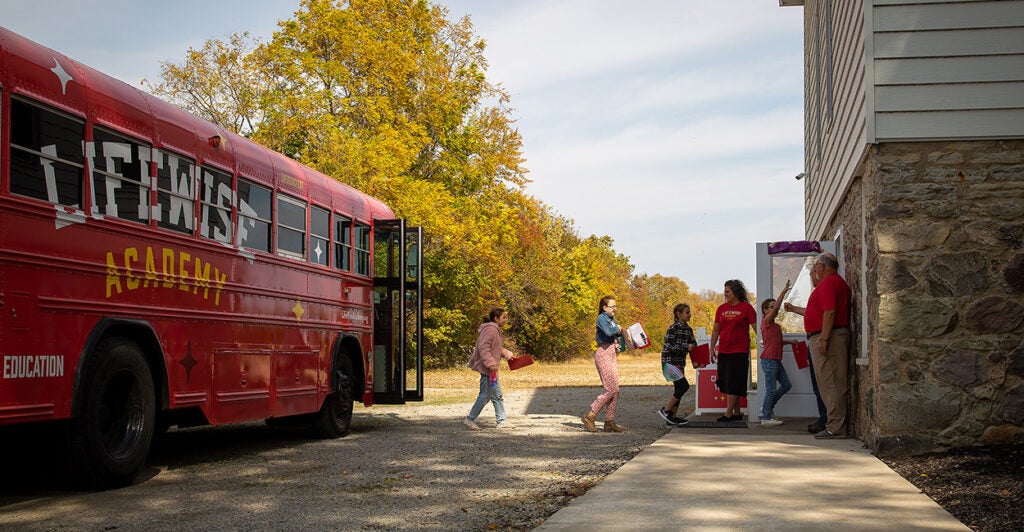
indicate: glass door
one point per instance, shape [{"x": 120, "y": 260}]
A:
[{"x": 778, "y": 262}]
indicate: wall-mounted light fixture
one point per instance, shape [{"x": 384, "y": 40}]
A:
[{"x": 800, "y": 176}]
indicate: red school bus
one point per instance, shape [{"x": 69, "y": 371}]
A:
[{"x": 158, "y": 270}]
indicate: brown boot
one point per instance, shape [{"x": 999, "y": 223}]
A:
[
  {"x": 588, "y": 421},
  {"x": 610, "y": 426}
]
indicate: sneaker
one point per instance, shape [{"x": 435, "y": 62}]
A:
[
  {"x": 771, "y": 422},
  {"x": 828, "y": 435},
  {"x": 678, "y": 421},
  {"x": 738, "y": 417},
  {"x": 505, "y": 425},
  {"x": 815, "y": 428},
  {"x": 666, "y": 415},
  {"x": 723, "y": 419},
  {"x": 471, "y": 424}
]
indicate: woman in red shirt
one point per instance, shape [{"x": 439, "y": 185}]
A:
[{"x": 734, "y": 320}]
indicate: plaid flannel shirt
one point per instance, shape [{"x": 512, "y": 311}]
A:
[{"x": 678, "y": 340}]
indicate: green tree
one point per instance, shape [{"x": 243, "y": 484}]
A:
[{"x": 659, "y": 295}]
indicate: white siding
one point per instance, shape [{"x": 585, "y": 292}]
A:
[
  {"x": 960, "y": 15},
  {"x": 950, "y": 97},
  {"x": 836, "y": 112},
  {"x": 978, "y": 124},
  {"x": 903, "y": 70},
  {"x": 918, "y": 71},
  {"x": 949, "y": 43},
  {"x": 947, "y": 70}
]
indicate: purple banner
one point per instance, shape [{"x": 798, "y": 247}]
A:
[{"x": 798, "y": 246}]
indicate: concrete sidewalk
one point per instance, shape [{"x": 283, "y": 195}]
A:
[{"x": 778, "y": 478}]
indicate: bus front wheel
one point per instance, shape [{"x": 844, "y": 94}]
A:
[
  {"x": 336, "y": 412},
  {"x": 111, "y": 435}
]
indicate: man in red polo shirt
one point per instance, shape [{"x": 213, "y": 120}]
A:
[{"x": 827, "y": 322}]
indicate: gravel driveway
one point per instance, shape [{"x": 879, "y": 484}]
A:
[{"x": 403, "y": 467}]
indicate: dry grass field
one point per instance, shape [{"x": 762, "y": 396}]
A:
[
  {"x": 641, "y": 368},
  {"x": 636, "y": 368}
]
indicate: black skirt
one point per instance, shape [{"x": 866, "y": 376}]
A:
[{"x": 732, "y": 373}]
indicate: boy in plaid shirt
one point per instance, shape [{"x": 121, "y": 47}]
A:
[{"x": 679, "y": 339}]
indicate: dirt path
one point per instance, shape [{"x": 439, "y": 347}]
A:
[{"x": 403, "y": 467}]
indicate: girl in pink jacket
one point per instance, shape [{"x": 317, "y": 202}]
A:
[{"x": 486, "y": 357}]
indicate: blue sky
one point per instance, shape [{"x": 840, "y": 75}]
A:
[{"x": 673, "y": 126}]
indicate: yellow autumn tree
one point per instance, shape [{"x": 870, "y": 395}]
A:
[{"x": 392, "y": 97}]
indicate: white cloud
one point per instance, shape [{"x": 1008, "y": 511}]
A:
[{"x": 674, "y": 127}]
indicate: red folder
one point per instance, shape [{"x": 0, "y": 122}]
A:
[
  {"x": 700, "y": 356},
  {"x": 800, "y": 354},
  {"x": 520, "y": 361}
]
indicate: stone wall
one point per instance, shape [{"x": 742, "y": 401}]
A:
[{"x": 944, "y": 245}]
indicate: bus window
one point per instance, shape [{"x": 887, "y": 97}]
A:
[
  {"x": 362, "y": 241},
  {"x": 319, "y": 235},
  {"x": 120, "y": 176},
  {"x": 176, "y": 192},
  {"x": 253, "y": 216},
  {"x": 342, "y": 243},
  {"x": 216, "y": 206},
  {"x": 46, "y": 155},
  {"x": 291, "y": 226}
]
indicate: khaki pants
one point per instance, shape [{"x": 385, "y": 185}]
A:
[{"x": 830, "y": 370}]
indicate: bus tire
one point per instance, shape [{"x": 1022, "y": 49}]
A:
[
  {"x": 335, "y": 417},
  {"x": 111, "y": 436}
]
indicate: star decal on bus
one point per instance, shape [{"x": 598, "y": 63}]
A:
[
  {"x": 298, "y": 310},
  {"x": 63, "y": 75},
  {"x": 189, "y": 363}
]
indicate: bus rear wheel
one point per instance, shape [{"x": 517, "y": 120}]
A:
[
  {"x": 336, "y": 413},
  {"x": 111, "y": 436}
]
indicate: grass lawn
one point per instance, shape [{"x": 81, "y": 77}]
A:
[
  {"x": 461, "y": 384},
  {"x": 636, "y": 368}
]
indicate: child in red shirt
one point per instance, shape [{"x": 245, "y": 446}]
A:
[{"x": 772, "y": 371}]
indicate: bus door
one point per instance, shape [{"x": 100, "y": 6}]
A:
[{"x": 397, "y": 312}]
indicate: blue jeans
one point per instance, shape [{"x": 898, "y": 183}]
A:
[
  {"x": 772, "y": 371},
  {"x": 488, "y": 393}
]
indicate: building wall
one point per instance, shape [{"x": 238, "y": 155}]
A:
[
  {"x": 944, "y": 294},
  {"x": 896, "y": 70},
  {"x": 835, "y": 106},
  {"x": 915, "y": 163},
  {"x": 949, "y": 70}
]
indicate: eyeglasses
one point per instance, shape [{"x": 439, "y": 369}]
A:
[{"x": 611, "y": 306}]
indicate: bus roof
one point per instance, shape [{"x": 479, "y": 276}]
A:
[{"x": 33, "y": 70}]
